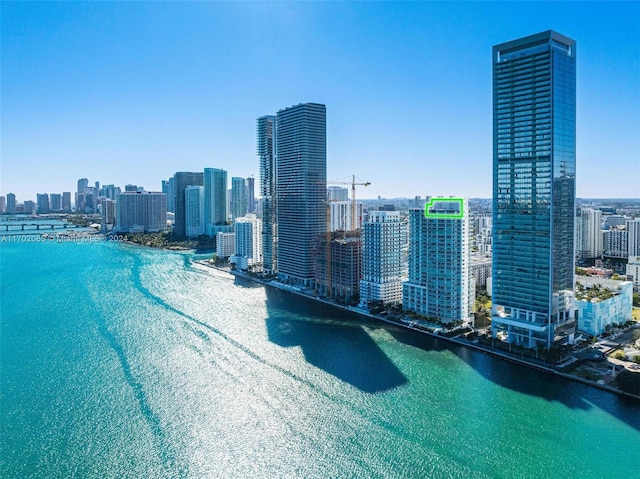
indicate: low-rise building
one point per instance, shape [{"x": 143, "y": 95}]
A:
[{"x": 602, "y": 303}]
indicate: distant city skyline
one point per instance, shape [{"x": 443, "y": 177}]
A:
[{"x": 133, "y": 92}]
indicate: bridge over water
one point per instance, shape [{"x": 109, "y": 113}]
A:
[{"x": 51, "y": 226}]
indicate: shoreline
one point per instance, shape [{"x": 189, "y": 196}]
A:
[{"x": 453, "y": 340}]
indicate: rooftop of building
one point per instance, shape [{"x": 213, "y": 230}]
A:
[{"x": 598, "y": 289}]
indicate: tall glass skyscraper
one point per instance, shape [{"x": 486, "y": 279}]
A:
[
  {"x": 301, "y": 189},
  {"x": 534, "y": 166},
  {"x": 238, "y": 198},
  {"x": 266, "y": 149},
  {"x": 215, "y": 198},
  {"x": 181, "y": 180}
]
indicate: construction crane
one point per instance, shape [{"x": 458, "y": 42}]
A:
[
  {"x": 353, "y": 196},
  {"x": 328, "y": 233}
]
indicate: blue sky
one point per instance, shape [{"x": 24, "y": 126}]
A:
[{"x": 132, "y": 92}]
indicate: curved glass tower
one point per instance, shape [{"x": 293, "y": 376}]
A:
[{"x": 534, "y": 164}]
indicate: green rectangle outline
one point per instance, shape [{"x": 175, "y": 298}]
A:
[{"x": 435, "y": 215}]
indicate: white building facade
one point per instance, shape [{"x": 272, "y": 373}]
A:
[
  {"x": 440, "y": 283},
  {"x": 633, "y": 230},
  {"x": 194, "y": 211},
  {"x": 225, "y": 244},
  {"x": 633, "y": 271},
  {"x": 341, "y": 215},
  {"x": 590, "y": 223},
  {"x": 141, "y": 211},
  {"x": 248, "y": 232},
  {"x": 616, "y": 242},
  {"x": 382, "y": 259}
]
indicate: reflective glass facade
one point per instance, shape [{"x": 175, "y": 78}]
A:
[
  {"x": 301, "y": 189},
  {"x": 534, "y": 163},
  {"x": 266, "y": 149}
]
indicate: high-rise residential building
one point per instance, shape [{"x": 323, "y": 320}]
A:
[
  {"x": 534, "y": 167},
  {"x": 225, "y": 244},
  {"x": 341, "y": 217},
  {"x": 66, "y": 201},
  {"x": 110, "y": 191},
  {"x": 141, "y": 211},
  {"x": 108, "y": 214},
  {"x": 251, "y": 194},
  {"x": 481, "y": 270},
  {"x": 171, "y": 196},
  {"x": 42, "y": 201},
  {"x": 616, "y": 242},
  {"x": 382, "y": 263},
  {"x": 611, "y": 221},
  {"x": 440, "y": 283},
  {"x": 29, "y": 207},
  {"x": 590, "y": 224},
  {"x": 181, "y": 180},
  {"x": 633, "y": 271},
  {"x": 215, "y": 198},
  {"x": 165, "y": 190},
  {"x": 633, "y": 232},
  {"x": 266, "y": 150},
  {"x": 83, "y": 183},
  {"x": 342, "y": 250},
  {"x": 81, "y": 205},
  {"x": 238, "y": 199},
  {"x": 90, "y": 200},
  {"x": 194, "y": 211},
  {"x": 301, "y": 182},
  {"x": 55, "y": 200},
  {"x": 484, "y": 234},
  {"x": 248, "y": 231},
  {"x": 11, "y": 204},
  {"x": 3, "y": 204},
  {"x": 337, "y": 193}
]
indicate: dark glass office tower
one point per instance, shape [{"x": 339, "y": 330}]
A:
[
  {"x": 301, "y": 189},
  {"x": 181, "y": 180},
  {"x": 534, "y": 166}
]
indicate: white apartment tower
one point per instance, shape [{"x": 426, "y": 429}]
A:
[
  {"x": 590, "y": 223},
  {"x": 440, "y": 283},
  {"x": 633, "y": 232},
  {"x": 248, "y": 231},
  {"x": 194, "y": 211},
  {"x": 225, "y": 244},
  {"x": 341, "y": 215},
  {"x": 382, "y": 266}
]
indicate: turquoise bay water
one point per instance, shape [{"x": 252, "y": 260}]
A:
[{"x": 118, "y": 362}]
